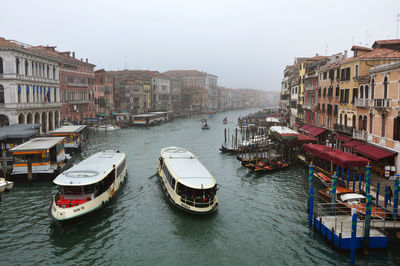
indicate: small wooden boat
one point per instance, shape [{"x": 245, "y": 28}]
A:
[
  {"x": 225, "y": 121},
  {"x": 227, "y": 150}
]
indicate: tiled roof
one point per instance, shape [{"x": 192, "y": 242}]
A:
[
  {"x": 356, "y": 47},
  {"x": 380, "y": 42},
  {"x": 379, "y": 53}
]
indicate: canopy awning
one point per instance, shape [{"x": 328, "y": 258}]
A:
[
  {"x": 372, "y": 152},
  {"x": 305, "y": 127},
  {"x": 316, "y": 131},
  {"x": 338, "y": 157},
  {"x": 352, "y": 144},
  {"x": 305, "y": 139},
  {"x": 343, "y": 138}
]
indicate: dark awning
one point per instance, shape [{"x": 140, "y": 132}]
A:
[
  {"x": 316, "y": 131},
  {"x": 343, "y": 138},
  {"x": 352, "y": 144},
  {"x": 373, "y": 152}
]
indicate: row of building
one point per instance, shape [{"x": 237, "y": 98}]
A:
[
  {"x": 41, "y": 85},
  {"x": 349, "y": 101}
]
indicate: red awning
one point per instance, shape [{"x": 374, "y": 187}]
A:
[
  {"x": 343, "y": 138},
  {"x": 297, "y": 125},
  {"x": 352, "y": 144},
  {"x": 305, "y": 127},
  {"x": 305, "y": 139},
  {"x": 373, "y": 152},
  {"x": 338, "y": 157},
  {"x": 315, "y": 131}
]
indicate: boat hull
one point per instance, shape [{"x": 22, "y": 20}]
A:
[{"x": 68, "y": 214}]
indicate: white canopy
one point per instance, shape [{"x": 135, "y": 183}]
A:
[
  {"x": 282, "y": 130},
  {"x": 272, "y": 119}
]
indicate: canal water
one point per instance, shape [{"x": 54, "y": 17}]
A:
[{"x": 261, "y": 220}]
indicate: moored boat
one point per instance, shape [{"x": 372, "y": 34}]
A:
[
  {"x": 205, "y": 126},
  {"x": 88, "y": 185},
  {"x": 75, "y": 137},
  {"x": 186, "y": 182},
  {"x": 8, "y": 185},
  {"x": 108, "y": 128}
]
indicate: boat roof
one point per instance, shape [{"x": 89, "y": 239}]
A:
[
  {"x": 187, "y": 168},
  {"x": 272, "y": 119},
  {"x": 351, "y": 196},
  {"x": 69, "y": 129},
  {"x": 282, "y": 130},
  {"x": 144, "y": 115},
  {"x": 17, "y": 131},
  {"x": 37, "y": 144},
  {"x": 159, "y": 113},
  {"x": 91, "y": 170}
]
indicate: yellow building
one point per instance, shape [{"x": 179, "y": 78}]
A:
[{"x": 355, "y": 87}]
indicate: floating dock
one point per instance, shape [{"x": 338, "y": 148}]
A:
[{"x": 337, "y": 230}]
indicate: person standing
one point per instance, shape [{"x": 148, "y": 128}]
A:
[{"x": 389, "y": 195}]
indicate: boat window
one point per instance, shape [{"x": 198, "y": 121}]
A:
[
  {"x": 104, "y": 184},
  {"x": 89, "y": 189},
  {"x": 121, "y": 167},
  {"x": 34, "y": 157},
  {"x": 170, "y": 178},
  {"x": 72, "y": 190}
]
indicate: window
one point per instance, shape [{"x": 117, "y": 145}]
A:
[
  {"x": 366, "y": 92},
  {"x": 385, "y": 88},
  {"x": 356, "y": 71},
  {"x": 346, "y": 95},
  {"x": 355, "y": 93},
  {"x": 341, "y": 100},
  {"x": 1, "y": 66},
  {"x": 331, "y": 74},
  {"x": 338, "y": 73},
  {"x": 17, "y": 66},
  {"x": 337, "y": 91},
  {"x": 361, "y": 92},
  {"x": 1, "y": 94},
  {"x": 335, "y": 112},
  {"x": 324, "y": 92},
  {"x": 26, "y": 67},
  {"x": 373, "y": 89},
  {"x": 396, "y": 129},
  {"x": 325, "y": 75}
]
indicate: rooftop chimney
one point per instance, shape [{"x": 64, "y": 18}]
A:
[
  {"x": 86, "y": 60},
  {"x": 316, "y": 54},
  {"x": 73, "y": 54},
  {"x": 345, "y": 54}
]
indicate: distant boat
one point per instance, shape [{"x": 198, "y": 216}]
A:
[
  {"x": 108, "y": 128},
  {"x": 205, "y": 126},
  {"x": 7, "y": 185},
  {"x": 225, "y": 121}
]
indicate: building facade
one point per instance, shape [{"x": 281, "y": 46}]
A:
[
  {"x": 103, "y": 91},
  {"x": 29, "y": 86}
]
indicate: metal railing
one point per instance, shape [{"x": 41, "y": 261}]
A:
[
  {"x": 343, "y": 128},
  {"x": 198, "y": 203}
]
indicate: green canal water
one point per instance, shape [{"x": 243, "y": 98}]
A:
[{"x": 261, "y": 220}]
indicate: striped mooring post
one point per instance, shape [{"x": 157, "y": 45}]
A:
[
  {"x": 378, "y": 185},
  {"x": 367, "y": 179},
  {"x": 354, "y": 181},
  {"x": 396, "y": 196},
  {"x": 342, "y": 184},
  {"x": 367, "y": 226},
  {"x": 333, "y": 192},
  {"x": 311, "y": 207},
  {"x": 353, "y": 236},
  {"x": 310, "y": 175},
  {"x": 348, "y": 178},
  {"x": 386, "y": 197}
]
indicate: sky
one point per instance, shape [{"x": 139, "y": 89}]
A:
[{"x": 247, "y": 44}]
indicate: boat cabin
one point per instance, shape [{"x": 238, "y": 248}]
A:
[
  {"x": 75, "y": 136},
  {"x": 160, "y": 116},
  {"x": 145, "y": 120},
  {"x": 46, "y": 154}
]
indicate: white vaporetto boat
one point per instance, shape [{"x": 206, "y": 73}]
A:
[
  {"x": 186, "y": 182},
  {"x": 108, "y": 128},
  {"x": 88, "y": 185}
]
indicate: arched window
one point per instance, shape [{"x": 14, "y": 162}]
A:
[
  {"x": 360, "y": 122},
  {"x": 365, "y": 123},
  {"x": 33, "y": 68},
  {"x": 26, "y": 67},
  {"x": 17, "y": 66},
  {"x": 366, "y": 91},
  {"x": 48, "y": 72},
  {"x": 1, "y": 94},
  {"x": 353, "y": 124},
  {"x": 361, "y": 92},
  {"x": 345, "y": 120},
  {"x": 385, "y": 88},
  {"x": 54, "y": 72},
  {"x": 1, "y": 66},
  {"x": 373, "y": 89}
]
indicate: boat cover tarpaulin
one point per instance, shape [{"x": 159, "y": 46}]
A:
[
  {"x": 338, "y": 157},
  {"x": 343, "y": 138},
  {"x": 373, "y": 152},
  {"x": 352, "y": 144}
]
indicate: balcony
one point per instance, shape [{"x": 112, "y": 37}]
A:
[
  {"x": 27, "y": 106},
  {"x": 343, "y": 129},
  {"x": 382, "y": 103},
  {"x": 79, "y": 102},
  {"x": 362, "y": 103},
  {"x": 360, "y": 134}
]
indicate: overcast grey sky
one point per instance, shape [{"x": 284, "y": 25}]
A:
[{"x": 246, "y": 43}]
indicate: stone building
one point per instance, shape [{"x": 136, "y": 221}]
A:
[
  {"x": 29, "y": 86},
  {"x": 103, "y": 90}
]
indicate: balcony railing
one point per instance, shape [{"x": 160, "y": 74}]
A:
[
  {"x": 362, "y": 103},
  {"x": 382, "y": 103},
  {"x": 343, "y": 128},
  {"x": 75, "y": 84},
  {"x": 360, "y": 134}
]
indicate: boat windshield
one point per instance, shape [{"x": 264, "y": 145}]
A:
[{"x": 197, "y": 197}]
